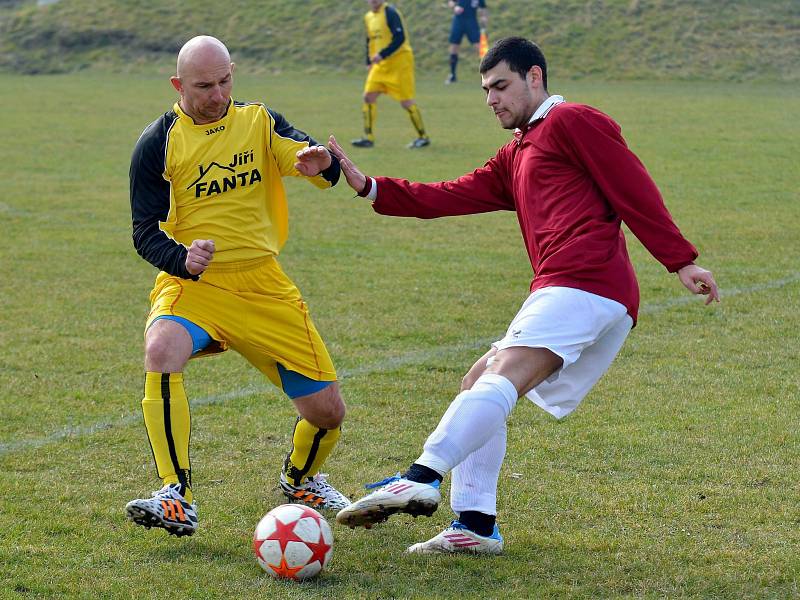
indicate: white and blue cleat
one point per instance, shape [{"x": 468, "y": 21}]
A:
[
  {"x": 457, "y": 539},
  {"x": 394, "y": 495}
]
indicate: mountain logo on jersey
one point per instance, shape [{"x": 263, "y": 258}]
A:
[{"x": 218, "y": 178}]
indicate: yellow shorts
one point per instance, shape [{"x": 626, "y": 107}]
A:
[
  {"x": 393, "y": 76},
  {"x": 253, "y": 308}
]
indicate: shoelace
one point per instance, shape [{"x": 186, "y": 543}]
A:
[
  {"x": 322, "y": 487},
  {"x": 320, "y": 479},
  {"x": 167, "y": 491},
  {"x": 383, "y": 482}
]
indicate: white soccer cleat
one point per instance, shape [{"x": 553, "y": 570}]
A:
[
  {"x": 167, "y": 509},
  {"x": 315, "y": 492},
  {"x": 395, "y": 495},
  {"x": 457, "y": 539}
]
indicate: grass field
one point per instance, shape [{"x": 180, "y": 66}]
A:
[{"x": 677, "y": 477}]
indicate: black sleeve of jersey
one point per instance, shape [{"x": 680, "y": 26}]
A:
[
  {"x": 367, "y": 52},
  {"x": 150, "y": 200},
  {"x": 284, "y": 129},
  {"x": 396, "y": 27}
]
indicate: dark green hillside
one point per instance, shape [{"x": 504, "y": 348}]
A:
[{"x": 617, "y": 39}]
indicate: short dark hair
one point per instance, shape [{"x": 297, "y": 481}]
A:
[{"x": 519, "y": 53}]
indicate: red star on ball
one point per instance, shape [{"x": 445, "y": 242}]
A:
[
  {"x": 284, "y": 534},
  {"x": 285, "y": 571},
  {"x": 257, "y": 546},
  {"x": 319, "y": 550}
]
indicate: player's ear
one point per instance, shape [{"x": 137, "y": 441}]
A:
[
  {"x": 176, "y": 83},
  {"x": 233, "y": 68},
  {"x": 534, "y": 76}
]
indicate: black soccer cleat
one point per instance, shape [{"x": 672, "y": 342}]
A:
[{"x": 363, "y": 143}]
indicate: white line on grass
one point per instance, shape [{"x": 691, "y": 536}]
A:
[{"x": 415, "y": 357}]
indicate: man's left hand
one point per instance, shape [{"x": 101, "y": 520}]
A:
[
  {"x": 313, "y": 160},
  {"x": 698, "y": 280}
]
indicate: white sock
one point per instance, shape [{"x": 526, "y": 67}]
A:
[
  {"x": 469, "y": 422},
  {"x": 474, "y": 482}
]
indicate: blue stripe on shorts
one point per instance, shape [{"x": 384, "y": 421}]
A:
[
  {"x": 296, "y": 384},
  {"x": 200, "y": 337}
]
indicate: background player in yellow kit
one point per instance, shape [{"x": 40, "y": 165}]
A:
[
  {"x": 391, "y": 71},
  {"x": 209, "y": 210}
]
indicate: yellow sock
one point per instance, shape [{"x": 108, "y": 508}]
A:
[
  {"x": 310, "y": 447},
  {"x": 370, "y": 112},
  {"x": 166, "y": 417},
  {"x": 416, "y": 119}
]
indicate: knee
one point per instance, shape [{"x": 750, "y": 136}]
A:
[
  {"x": 331, "y": 416},
  {"x": 467, "y": 381},
  {"x": 162, "y": 356},
  {"x": 335, "y": 415},
  {"x": 474, "y": 373},
  {"x": 327, "y": 414}
]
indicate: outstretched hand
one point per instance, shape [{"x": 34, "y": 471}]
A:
[
  {"x": 698, "y": 280},
  {"x": 355, "y": 178},
  {"x": 313, "y": 160}
]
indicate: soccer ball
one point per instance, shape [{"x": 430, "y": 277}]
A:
[{"x": 293, "y": 542}]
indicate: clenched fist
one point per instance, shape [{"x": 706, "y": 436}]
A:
[{"x": 199, "y": 256}]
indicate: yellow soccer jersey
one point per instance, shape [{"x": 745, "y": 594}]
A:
[
  {"x": 220, "y": 181},
  {"x": 386, "y": 33}
]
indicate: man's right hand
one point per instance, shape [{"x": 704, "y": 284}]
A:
[
  {"x": 355, "y": 178},
  {"x": 200, "y": 254}
]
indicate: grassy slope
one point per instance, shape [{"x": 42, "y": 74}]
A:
[{"x": 619, "y": 39}]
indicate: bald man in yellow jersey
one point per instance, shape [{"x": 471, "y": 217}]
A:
[
  {"x": 209, "y": 211},
  {"x": 390, "y": 61}
]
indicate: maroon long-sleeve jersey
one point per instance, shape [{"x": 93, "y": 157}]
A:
[{"x": 572, "y": 181}]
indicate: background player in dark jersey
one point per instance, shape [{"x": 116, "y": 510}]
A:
[
  {"x": 209, "y": 211},
  {"x": 573, "y": 181},
  {"x": 466, "y": 17}
]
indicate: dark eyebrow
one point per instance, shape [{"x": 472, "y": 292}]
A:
[{"x": 494, "y": 84}]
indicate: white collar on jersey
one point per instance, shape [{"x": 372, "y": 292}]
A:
[{"x": 544, "y": 108}]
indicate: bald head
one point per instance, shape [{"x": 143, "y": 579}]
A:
[
  {"x": 200, "y": 52},
  {"x": 204, "y": 79}
]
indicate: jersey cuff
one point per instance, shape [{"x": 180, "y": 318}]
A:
[
  {"x": 332, "y": 173},
  {"x": 370, "y": 191}
]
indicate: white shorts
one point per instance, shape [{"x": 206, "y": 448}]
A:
[{"x": 584, "y": 329}]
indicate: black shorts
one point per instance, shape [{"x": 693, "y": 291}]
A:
[{"x": 462, "y": 27}]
